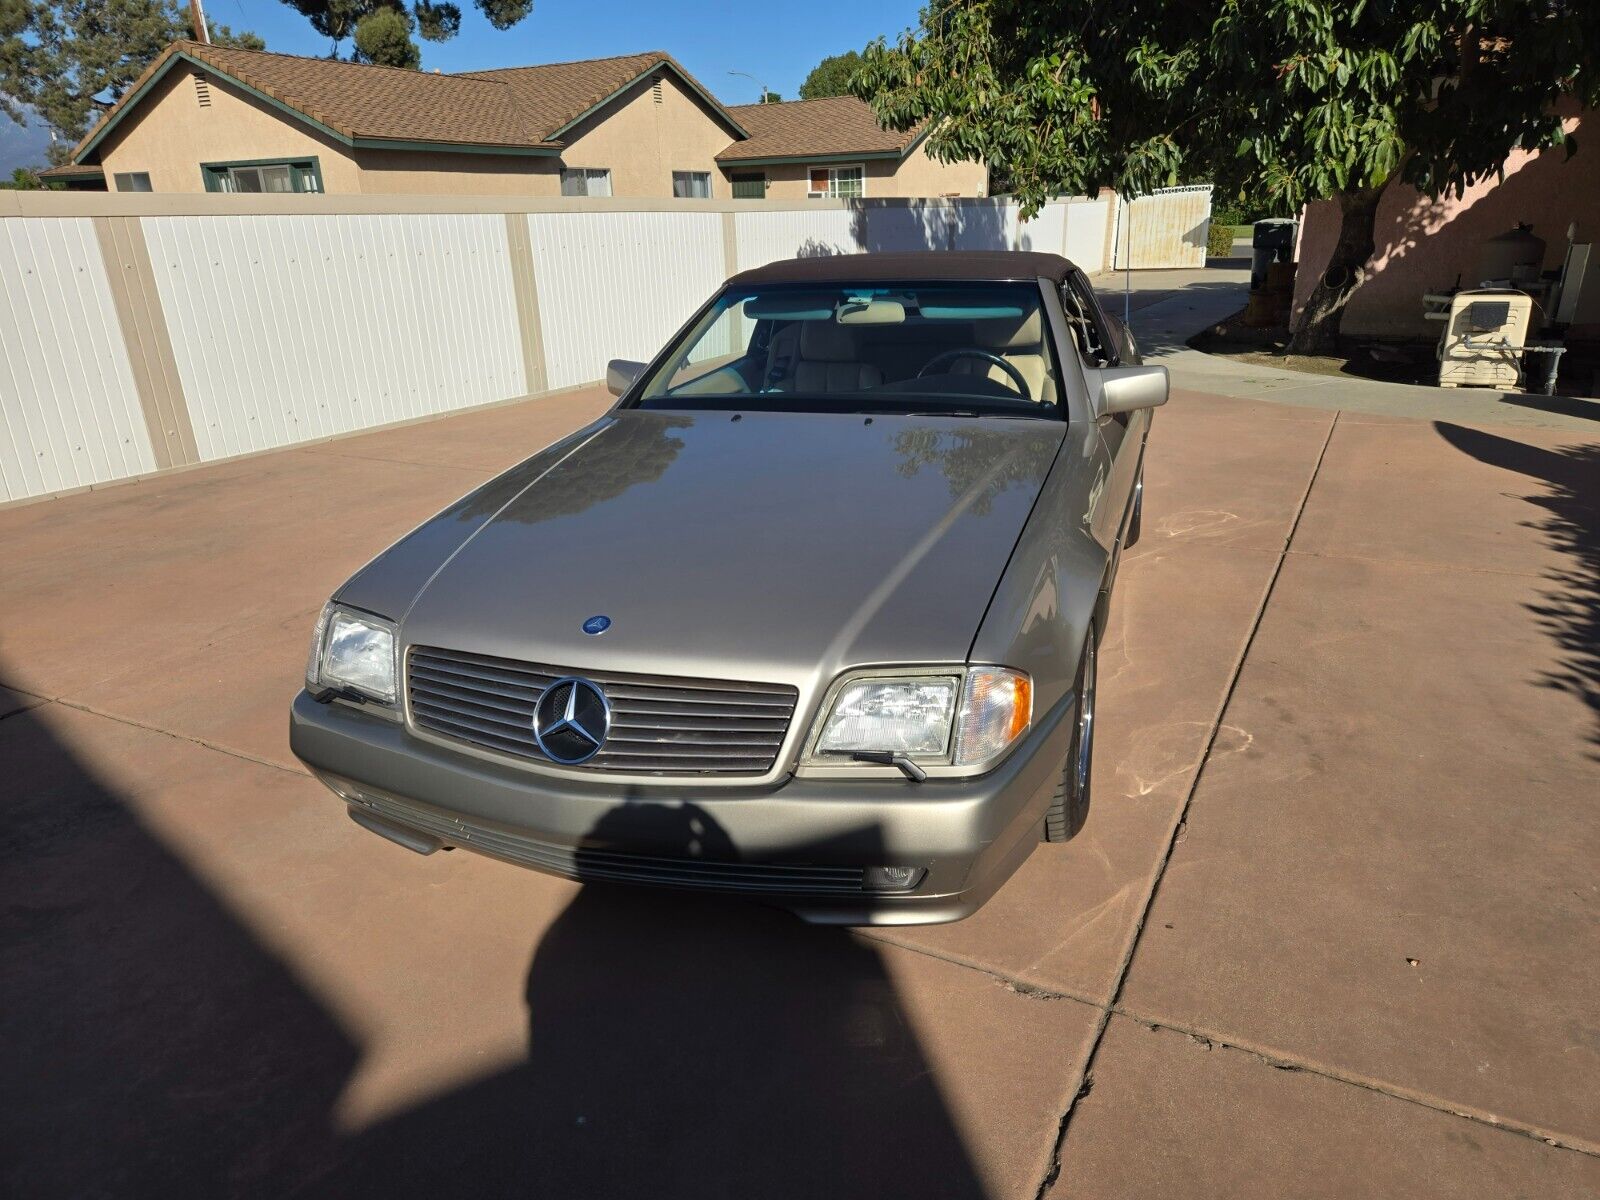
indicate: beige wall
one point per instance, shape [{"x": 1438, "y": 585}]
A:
[
  {"x": 642, "y": 142},
  {"x": 915, "y": 176},
  {"x": 170, "y": 134},
  {"x": 1424, "y": 245},
  {"x": 428, "y": 173}
]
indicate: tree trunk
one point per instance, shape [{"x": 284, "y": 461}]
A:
[{"x": 1318, "y": 330}]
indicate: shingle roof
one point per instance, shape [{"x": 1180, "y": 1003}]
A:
[
  {"x": 518, "y": 107},
  {"x": 553, "y": 95},
  {"x": 813, "y": 128}
]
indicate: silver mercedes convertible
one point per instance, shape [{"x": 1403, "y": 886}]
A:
[{"x": 808, "y": 616}]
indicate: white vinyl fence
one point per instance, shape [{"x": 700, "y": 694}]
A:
[{"x": 139, "y": 333}]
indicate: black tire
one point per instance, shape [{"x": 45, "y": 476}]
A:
[
  {"x": 1070, "y": 808},
  {"x": 1138, "y": 513}
]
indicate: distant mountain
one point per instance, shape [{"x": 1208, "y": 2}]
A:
[{"x": 22, "y": 145}]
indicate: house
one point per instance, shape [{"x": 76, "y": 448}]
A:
[
  {"x": 835, "y": 147},
  {"x": 215, "y": 118}
]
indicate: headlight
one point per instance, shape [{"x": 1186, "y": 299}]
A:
[
  {"x": 355, "y": 650},
  {"x": 965, "y": 718},
  {"x": 910, "y": 716}
]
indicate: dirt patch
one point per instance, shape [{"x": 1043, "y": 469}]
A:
[{"x": 1389, "y": 362}]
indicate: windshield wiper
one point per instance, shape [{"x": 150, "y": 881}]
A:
[{"x": 892, "y": 758}]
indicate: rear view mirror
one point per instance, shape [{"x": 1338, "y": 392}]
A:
[
  {"x": 1127, "y": 389},
  {"x": 621, "y": 374}
]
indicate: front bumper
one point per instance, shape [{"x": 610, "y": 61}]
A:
[{"x": 799, "y": 844}]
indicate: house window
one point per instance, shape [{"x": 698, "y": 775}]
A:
[
  {"x": 836, "y": 182},
  {"x": 749, "y": 185},
  {"x": 299, "y": 175},
  {"x": 133, "y": 181},
  {"x": 586, "y": 181},
  {"x": 691, "y": 185}
]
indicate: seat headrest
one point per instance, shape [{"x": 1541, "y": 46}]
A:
[
  {"x": 824, "y": 341},
  {"x": 1009, "y": 333}
]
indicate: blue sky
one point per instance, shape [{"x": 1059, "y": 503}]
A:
[{"x": 778, "y": 43}]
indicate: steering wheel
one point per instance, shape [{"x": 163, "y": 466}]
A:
[{"x": 938, "y": 360}]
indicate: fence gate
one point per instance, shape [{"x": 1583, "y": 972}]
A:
[{"x": 1167, "y": 228}]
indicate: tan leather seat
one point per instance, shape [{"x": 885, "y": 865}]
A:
[
  {"x": 827, "y": 361},
  {"x": 1018, "y": 340}
]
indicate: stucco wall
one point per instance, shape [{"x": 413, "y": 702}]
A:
[
  {"x": 170, "y": 134},
  {"x": 1424, "y": 245},
  {"x": 424, "y": 173},
  {"x": 917, "y": 175},
  {"x": 643, "y": 142}
]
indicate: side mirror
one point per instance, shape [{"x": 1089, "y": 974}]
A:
[
  {"x": 622, "y": 374},
  {"x": 1127, "y": 389}
]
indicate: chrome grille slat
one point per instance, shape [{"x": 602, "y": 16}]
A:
[{"x": 663, "y": 725}]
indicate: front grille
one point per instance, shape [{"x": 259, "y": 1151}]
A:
[
  {"x": 660, "y": 725},
  {"x": 610, "y": 866}
]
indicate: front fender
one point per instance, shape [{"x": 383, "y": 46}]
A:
[{"x": 1046, "y": 599}]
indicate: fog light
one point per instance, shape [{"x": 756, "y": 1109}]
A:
[{"x": 892, "y": 879}]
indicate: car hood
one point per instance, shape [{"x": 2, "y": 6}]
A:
[{"x": 779, "y": 547}]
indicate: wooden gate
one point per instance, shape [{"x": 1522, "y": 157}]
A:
[{"x": 1167, "y": 228}]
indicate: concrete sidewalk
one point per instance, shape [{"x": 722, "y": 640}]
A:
[
  {"x": 1330, "y": 930},
  {"x": 1169, "y": 307}
]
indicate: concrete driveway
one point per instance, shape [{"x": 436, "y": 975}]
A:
[{"x": 1331, "y": 929}]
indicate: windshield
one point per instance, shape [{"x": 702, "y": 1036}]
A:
[{"x": 965, "y": 349}]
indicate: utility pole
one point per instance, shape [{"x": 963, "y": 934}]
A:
[{"x": 197, "y": 18}]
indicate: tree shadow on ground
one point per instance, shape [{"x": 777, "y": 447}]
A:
[
  {"x": 1569, "y": 610},
  {"x": 678, "y": 1047}
]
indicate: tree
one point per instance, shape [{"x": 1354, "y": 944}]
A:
[
  {"x": 382, "y": 30},
  {"x": 71, "y": 60},
  {"x": 1294, "y": 100},
  {"x": 772, "y": 97},
  {"x": 831, "y": 76}
]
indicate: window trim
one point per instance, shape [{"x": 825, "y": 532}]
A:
[
  {"x": 212, "y": 173},
  {"x": 833, "y": 180},
  {"x": 586, "y": 172},
  {"x": 706, "y": 175}
]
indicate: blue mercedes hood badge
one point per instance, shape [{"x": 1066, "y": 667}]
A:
[{"x": 596, "y": 625}]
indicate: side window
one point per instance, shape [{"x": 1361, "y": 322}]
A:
[{"x": 1088, "y": 330}]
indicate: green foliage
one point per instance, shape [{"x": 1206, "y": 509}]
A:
[
  {"x": 70, "y": 60},
  {"x": 383, "y": 31},
  {"x": 772, "y": 97},
  {"x": 1219, "y": 239},
  {"x": 24, "y": 180},
  {"x": 831, "y": 76},
  {"x": 1284, "y": 100},
  {"x": 384, "y": 36}
]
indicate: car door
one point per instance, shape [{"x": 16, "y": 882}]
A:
[{"x": 1105, "y": 342}]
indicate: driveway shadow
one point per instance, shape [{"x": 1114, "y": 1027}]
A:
[
  {"x": 1569, "y": 610},
  {"x": 677, "y": 1047},
  {"x": 687, "y": 1047}
]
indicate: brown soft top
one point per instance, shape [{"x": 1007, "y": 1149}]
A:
[{"x": 921, "y": 266}]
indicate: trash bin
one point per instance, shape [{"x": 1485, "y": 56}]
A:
[{"x": 1271, "y": 241}]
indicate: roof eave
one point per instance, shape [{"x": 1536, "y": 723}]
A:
[
  {"x": 683, "y": 76},
  {"x": 850, "y": 156},
  {"x": 379, "y": 143}
]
